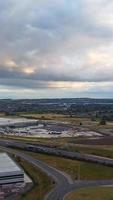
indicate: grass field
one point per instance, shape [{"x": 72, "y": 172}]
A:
[
  {"x": 99, "y": 151},
  {"x": 76, "y": 169},
  {"x": 42, "y": 183},
  {"x": 44, "y": 141},
  {"x": 2, "y": 114},
  {"x": 100, "y": 193},
  {"x": 85, "y": 121},
  {"x": 59, "y": 117}
]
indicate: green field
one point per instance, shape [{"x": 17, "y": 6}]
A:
[
  {"x": 59, "y": 117},
  {"x": 100, "y": 193},
  {"x": 106, "y": 151},
  {"x": 76, "y": 169}
]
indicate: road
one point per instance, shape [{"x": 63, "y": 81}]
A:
[
  {"x": 64, "y": 184},
  {"x": 58, "y": 152},
  {"x": 63, "y": 181}
]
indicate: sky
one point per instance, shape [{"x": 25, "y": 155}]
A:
[{"x": 56, "y": 48}]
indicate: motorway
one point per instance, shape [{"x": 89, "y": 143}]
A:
[
  {"x": 64, "y": 184},
  {"x": 57, "y": 152}
]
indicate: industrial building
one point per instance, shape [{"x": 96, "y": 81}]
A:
[{"x": 10, "y": 172}]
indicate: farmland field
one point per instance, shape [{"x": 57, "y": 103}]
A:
[{"x": 100, "y": 193}]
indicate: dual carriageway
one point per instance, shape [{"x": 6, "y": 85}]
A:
[{"x": 64, "y": 183}]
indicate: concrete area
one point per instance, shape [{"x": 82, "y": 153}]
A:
[
  {"x": 7, "y": 121},
  {"x": 36, "y": 128}
]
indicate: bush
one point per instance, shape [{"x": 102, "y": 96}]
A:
[{"x": 103, "y": 122}]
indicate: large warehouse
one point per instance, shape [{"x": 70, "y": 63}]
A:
[{"x": 10, "y": 172}]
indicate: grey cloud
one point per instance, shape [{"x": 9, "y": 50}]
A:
[{"x": 55, "y": 38}]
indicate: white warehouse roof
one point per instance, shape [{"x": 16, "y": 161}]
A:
[{"x": 10, "y": 172}]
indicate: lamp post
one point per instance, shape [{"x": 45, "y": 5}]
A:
[{"x": 78, "y": 176}]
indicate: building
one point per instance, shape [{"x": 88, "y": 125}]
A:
[{"x": 10, "y": 172}]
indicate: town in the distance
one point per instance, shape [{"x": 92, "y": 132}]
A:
[{"x": 55, "y": 149}]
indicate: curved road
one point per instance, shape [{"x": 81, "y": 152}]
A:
[{"x": 64, "y": 183}]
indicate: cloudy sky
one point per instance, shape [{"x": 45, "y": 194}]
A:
[{"x": 56, "y": 48}]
